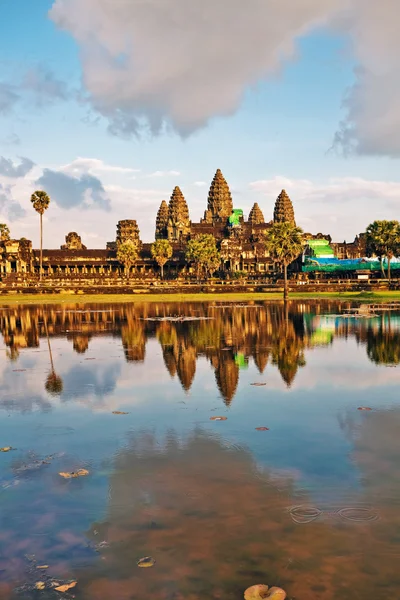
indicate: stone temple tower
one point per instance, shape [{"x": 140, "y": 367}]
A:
[
  {"x": 128, "y": 230},
  {"x": 178, "y": 228},
  {"x": 283, "y": 211},
  {"x": 220, "y": 204},
  {"x": 162, "y": 221},
  {"x": 255, "y": 216}
]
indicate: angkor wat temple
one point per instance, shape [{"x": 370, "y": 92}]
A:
[{"x": 239, "y": 239}]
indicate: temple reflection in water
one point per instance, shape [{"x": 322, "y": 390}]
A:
[{"x": 227, "y": 336}]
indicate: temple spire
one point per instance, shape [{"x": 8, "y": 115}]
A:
[
  {"x": 162, "y": 221},
  {"x": 220, "y": 204},
  {"x": 255, "y": 216},
  {"x": 283, "y": 211},
  {"x": 178, "y": 217}
]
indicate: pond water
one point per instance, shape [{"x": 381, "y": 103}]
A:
[{"x": 309, "y": 502}]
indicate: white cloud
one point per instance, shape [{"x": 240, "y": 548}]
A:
[
  {"x": 339, "y": 206},
  {"x": 200, "y": 183},
  {"x": 95, "y": 166},
  {"x": 181, "y": 63},
  {"x": 164, "y": 174}
]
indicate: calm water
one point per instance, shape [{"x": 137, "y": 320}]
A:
[{"x": 312, "y": 504}]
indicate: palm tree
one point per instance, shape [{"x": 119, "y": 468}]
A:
[
  {"x": 40, "y": 201},
  {"x": 383, "y": 240},
  {"x": 54, "y": 383},
  {"x": 4, "y": 232},
  {"x": 161, "y": 251},
  {"x": 284, "y": 242},
  {"x": 127, "y": 254}
]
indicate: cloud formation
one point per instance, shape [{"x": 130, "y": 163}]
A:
[
  {"x": 44, "y": 85},
  {"x": 95, "y": 166},
  {"x": 181, "y": 63},
  {"x": 10, "y": 169},
  {"x": 8, "y": 98},
  {"x": 335, "y": 205},
  {"x": 85, "y": 191},
  {"x": 9, "y": 207},
  {"x": 165, "y": 174}
]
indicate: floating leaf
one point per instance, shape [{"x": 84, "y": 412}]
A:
[
  {"x": 66, "y": 587},
  {"x": 42, "y": 567},
  {"x": 256, "y": 592},
  {"x": 73, "y": 474},
  {"x": 6, "y": 449},
  {"x": 258, "y": 384},
  {"x": 218, "y": 418},
  {"x": 261, "y": 592},
  {"x": 119, "y": 412},
  {"x": 364, "y": 408},
  {"x": 276, "y": 593},
  {"x": 145, "y": 562},
  {"x": 262, "y": 428},
  {"x": 40, "y": 585}
]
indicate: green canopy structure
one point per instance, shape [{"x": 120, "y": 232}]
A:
[
  {"x": 234, "y": 219},
  {"x": 320, "y": 249}
]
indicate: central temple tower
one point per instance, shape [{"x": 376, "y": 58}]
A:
[{"x": 220, "y": 205}]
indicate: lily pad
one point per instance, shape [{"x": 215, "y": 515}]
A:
[
  {"x": 73, "y": 474},
  {"x": 6, "y": 449},
  {"x": 256, "y": 592},
  {"x": 146, "y": 562},
  {"x": 218, "y": 418},
  {"x": 276, "y": 593},
  {"x": 261, "y": 592},
  {"x": 40, "y": 585},
  {"x": 66, "y": 587}
]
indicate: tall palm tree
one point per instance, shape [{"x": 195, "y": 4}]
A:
[
  {"x": 284, "y": 242},
  {"x": 54, "y": 383},
  {"x": 40, "y": 201},
  {"x": 383, "y": 240}
]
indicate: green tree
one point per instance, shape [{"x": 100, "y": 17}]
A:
[
  {"x": 4, "y": 232},
  {"x": 203, "y": 252},
  {"x": 127, "y": 254},
  {"x": 383, "y": 241},
  {"x": 161, "y": 251},
  {"x": 40, "y": 201},
  {"x": 283, "y": 241}
]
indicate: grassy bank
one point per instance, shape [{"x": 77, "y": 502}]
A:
[{"x": 13, "y": 299}]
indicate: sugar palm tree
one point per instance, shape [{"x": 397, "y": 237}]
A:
[
  {"x": 4, "y": 232},
  {"x": 383, "y": 240},
  {"x": 40, "y": 201},
  {"x": 54, "y": 383},
  {"x": 161, "y": 251},
  {"x": 284, "y": 243}
]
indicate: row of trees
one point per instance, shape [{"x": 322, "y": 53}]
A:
[{"x": 383, "y": 240}]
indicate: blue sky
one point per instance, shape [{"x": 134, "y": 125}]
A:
[{"x": 260, "y": 94}]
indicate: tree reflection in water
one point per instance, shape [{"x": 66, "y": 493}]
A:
[
  {"x": 271, "y": 334},
  {"x": 215, "y": 525}
]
